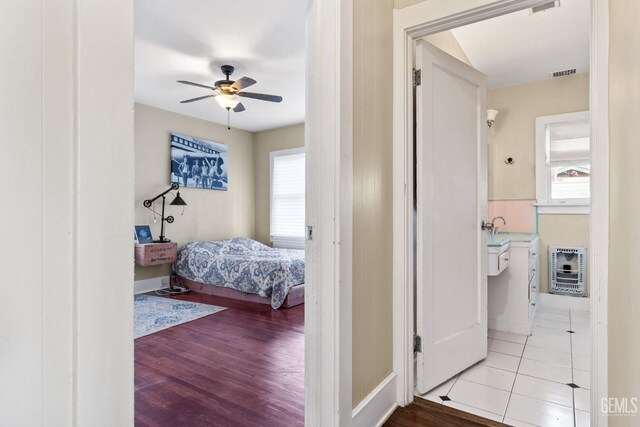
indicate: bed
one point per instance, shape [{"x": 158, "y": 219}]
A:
[{"x": 242, "y": 267}]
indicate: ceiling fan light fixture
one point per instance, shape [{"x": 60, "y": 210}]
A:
[{"x": 228, "y": 102}]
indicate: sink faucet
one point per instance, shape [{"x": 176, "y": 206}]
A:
[{"x": 494, "y": 229}]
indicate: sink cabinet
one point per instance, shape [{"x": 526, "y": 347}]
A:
[
  {"x": 513, "y": 293},
  {"x": 498, "y": 259}
]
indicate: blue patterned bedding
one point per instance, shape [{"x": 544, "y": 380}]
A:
[{"x": 244, "y": 265}]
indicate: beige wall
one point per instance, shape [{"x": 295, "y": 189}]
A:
[
  {"x": 372, "y": 189},
  {"x": 210, "y": 214},
  {"x": 372, "y": 195},
  {"x": 264, "y": 143},
  {"x": 514, "y": 135},
  {"x": 624, "y": 255}
]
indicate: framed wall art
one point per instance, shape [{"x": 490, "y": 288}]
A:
[{"x": 198, "y": 163}]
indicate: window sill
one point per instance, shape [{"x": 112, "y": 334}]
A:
[
  {"x": 283, "y": 242},
  {"x": 562, "y": 209}
]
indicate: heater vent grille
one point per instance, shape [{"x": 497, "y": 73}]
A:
[
  {"x": 545, "y": 6},
  {"x": 568, "y": 270},
  {"x": 563, "y": 73}
]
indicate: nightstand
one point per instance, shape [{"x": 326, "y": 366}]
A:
[{"x": 148, "y": 254}]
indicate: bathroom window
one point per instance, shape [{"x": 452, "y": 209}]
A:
[
  {"x": 563, "y": 163},
  {"x": 288, "y": 198}
]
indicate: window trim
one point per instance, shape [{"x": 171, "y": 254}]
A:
[
  {"x": 280, "y": 241},
  {"x": 543, "y": 184}
]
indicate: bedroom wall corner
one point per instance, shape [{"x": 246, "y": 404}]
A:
[
  {"x": 264, "y": 143},
  {"x": 209, "y": 214}
]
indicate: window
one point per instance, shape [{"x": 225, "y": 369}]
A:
[
  {"x": 287, "y": 198},
  {"x": 563, "y": 163}
]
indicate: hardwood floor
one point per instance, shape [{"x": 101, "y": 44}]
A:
[
  {"x": 424, "y": 413},
  {"x": 243, "y": 366}
]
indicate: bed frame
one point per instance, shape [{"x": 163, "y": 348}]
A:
[{"x": 295, "y": 297}]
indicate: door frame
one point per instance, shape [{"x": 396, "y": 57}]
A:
[
  {"x": 329, "y": 207},
  {"x": 433, "y": 16}
]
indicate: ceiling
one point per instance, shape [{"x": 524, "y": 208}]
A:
[
  {"x": 522, "y": 47},
  {"x": 191, "y": 39}
]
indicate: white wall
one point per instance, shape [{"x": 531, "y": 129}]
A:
[{"x": 66, "y": 174}]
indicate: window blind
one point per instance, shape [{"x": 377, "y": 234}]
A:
[{"x": 288, "y": 200}]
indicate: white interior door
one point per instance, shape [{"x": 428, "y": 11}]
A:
[{"x": 451, "y": 192}]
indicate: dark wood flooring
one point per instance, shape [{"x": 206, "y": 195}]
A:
[
  {"x": 424, "y": 413},
  {"x": 243, "y": 366}
]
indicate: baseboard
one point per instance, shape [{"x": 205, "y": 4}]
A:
[
  {"x": 564, "y": 301},
  {"x": 378, "y": 406},
  {"x": 148, "y": 285}
]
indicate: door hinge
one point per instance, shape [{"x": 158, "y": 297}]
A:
[
  {"x": 417, "y": 344},
  {"x": 417, "y": 77},
  {"x": 309, "y": 232}
]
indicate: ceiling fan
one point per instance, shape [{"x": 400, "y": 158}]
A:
[{"x": 228, "y": 92}]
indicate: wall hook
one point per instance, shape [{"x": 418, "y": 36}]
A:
[{"x": 509, "y": 161}]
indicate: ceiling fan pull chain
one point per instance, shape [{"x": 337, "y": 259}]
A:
[{"x": 228, "y": 118}]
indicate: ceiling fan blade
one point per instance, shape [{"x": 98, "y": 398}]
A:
[
  {"x": 184, "y": 82},
  {"x": 196, "y": 99},
  {"x": 239, "y": 108},
  {"x": 243, "y": 83},
  {"x": 261, "y": 96}
]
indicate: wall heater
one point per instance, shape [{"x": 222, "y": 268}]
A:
[{"x": 568, "y": 270}]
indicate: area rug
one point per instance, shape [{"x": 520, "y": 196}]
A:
[{"x": 153, "y": 314}]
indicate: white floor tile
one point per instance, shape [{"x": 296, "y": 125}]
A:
[
  {"x": 472, "y": 410},
  {"x": 491, "y": 377},
  {"x": 582, "y": 363},
  {"x": 507, "y": 336},
  {"x": 552, "y": 343},
  {"x": 506, "y": 347},
  {"x": 544, "y": 390},
  {"x": 431, "y": 397},
  {"x": 546, "y": 355},
  {"x": 545, "y": 309},
  {"x": 581, "y": 344},
  {"x": 444, "y": 388},
  {"x": 552, "y": 316},
  {"x": 546, "y": 371},
  {"x": 583, "y": 419},
  {"x": 580, "y": 321},
  {"x": 552, "y": 324},
  {"x": 539, "y": 331},
  {"x": 581, "y": 329},
  {"x": 582, "y": 378},
  {"x": 580, "y": 314},
  {"x": 480, "y": 396},
  {"x": 539, "y": 412},
  {"x": 516, "y": 423},
  {"x": 501, "y": 361},
  {"x": 582, "y": 398}
]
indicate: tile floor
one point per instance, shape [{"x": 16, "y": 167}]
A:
[{"x": 537, "y": 380}]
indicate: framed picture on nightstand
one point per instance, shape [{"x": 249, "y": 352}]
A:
[{"x": 143, "y": 234}]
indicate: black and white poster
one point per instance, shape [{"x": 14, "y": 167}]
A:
[{"x": 198, "y": 163}]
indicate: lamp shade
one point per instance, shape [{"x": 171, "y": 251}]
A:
[
  {"x": 227, "y": 101},
  {"x": 491, "y": 115},
  {"x": 178, "y": 201}
]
